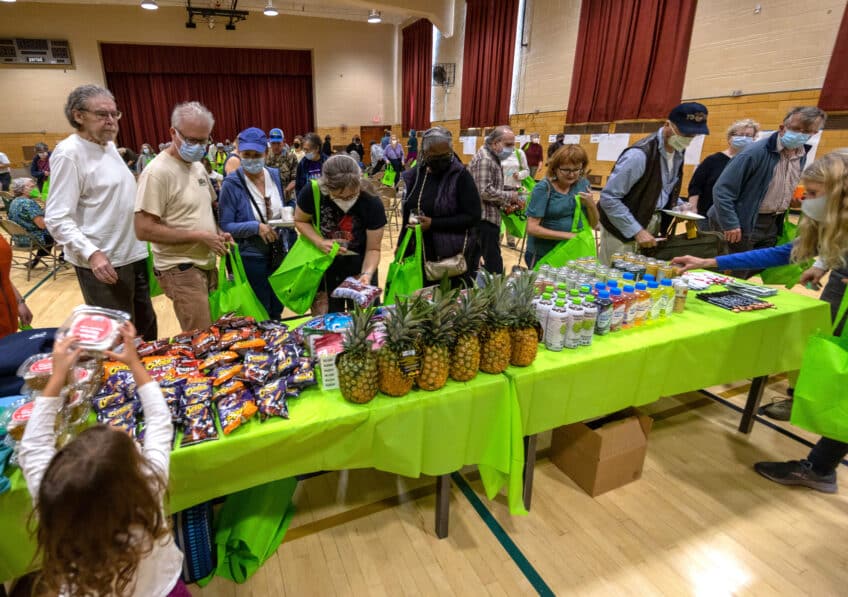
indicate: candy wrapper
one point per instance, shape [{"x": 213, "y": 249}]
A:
[
  {"x": 184, "y": 338},
  {"x": 257, "y": 367},
  {"x": 97, "y": 329},
  {"x": 304, "y": 375},
  {"x": 149, "y": 349},
  {"x": 235, "y": 410},
  {"x": 230, "y": 321},
  {"x": 271, "y": 400},
  {"x": 163, "y": 369},
  {"x": 225, "y": 374},
  {"x": 204, "y": 342},
  {"x": 121, "y": 417},
  {"x": 245, "y": 345},
  {"x": 105, "y": 402},
  {"x": 287, "y": 359},
  {"x": 234, "y": 386},
  {"x": 120, "y": 381},
  {"x": 198, "y": 424},
  {"x": 217, "y": 359},
  {"x": 173, "y": 397},
  {"x": 352, "y": 289},
  {"x": 197, "y": 389}
]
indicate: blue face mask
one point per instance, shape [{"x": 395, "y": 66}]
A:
[
  {"x": 741, "y": 141},
  {"x": 253, "y": 165},
  {"x": 191, "y": 153},
  {"x": 794, "y": 139},
  {"x": 504, "y": 153},
  {"x": 310, "y": 156}
]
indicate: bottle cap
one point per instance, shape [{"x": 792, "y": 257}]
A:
[
  {"x": 600, "y": 286},
  {"x": 560, "y": 303},
  {"x": 549, "y": 288},
  {"x": 574, "y": 292},
  {"x": 627, "y": 276},
  {"x": 578, "y": 301},
  {"x": 612, "y": 283},
  {"x": 640, "y": 286},
  {"x": 546, "y": 296},
  {"x": 665, "y": 282},
  {"x": 604, "y": 294},
  {"x": 561, "y": 286},
  {"x": 590, "y": 298},
  {"x": 616, "y": 291},
  {"x": 585, "y": 289},
  {"x": 653, "y": 284},
  {"x": 628, "y": 288},
  {"x": 648, "y": 278}
]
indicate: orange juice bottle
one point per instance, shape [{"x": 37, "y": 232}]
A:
[
  {"x": 643, "y": 303},
  {"x": 630, "y": 308}
]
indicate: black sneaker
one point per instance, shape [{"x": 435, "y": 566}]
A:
[
  {"x": 797, "y": 472},
  {"x": 779, "y": 411}
]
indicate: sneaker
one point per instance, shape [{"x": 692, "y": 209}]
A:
[
  {"x": 779, "y": 411},
  {"x": 797, "y": 472}
]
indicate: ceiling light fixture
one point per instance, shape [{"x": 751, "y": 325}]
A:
[
  {"x": 374, "y": 16},
  {"x": 270, "y": 11},
  {"x": 149, "y": 4}
]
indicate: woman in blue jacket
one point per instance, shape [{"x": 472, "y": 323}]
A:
[
  {"x": 823, "y": 232},
  {"x": 252, "y": 196}
]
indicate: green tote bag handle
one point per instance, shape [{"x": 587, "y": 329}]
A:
[
  {"x": 582, "y": 245},
  {"x": 406, "y": 274}
]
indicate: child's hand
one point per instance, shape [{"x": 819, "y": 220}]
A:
[
  {"x": 128, "y": 355},
  {"x": 64, "y": 356}
]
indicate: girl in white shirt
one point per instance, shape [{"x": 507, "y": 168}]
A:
[{"x": 98, "y": 501}]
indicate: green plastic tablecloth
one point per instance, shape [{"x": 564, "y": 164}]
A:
[
  {"x": 432, "y": 433},
  {"x": 702, "y": 346}
]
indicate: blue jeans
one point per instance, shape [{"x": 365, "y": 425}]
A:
[{"x": 258, "y": 269}]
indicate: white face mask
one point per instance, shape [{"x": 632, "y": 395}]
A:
[
  {"x": 815, "y": 208},
  {"x": 344, "y": 204}
]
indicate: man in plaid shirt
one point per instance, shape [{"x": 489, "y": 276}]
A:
[{"x": 487, "y": 172}]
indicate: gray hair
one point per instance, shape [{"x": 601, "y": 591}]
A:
[
  {"x": 809, "y": 115},
  {"x": 497, "y": 133},
  {"x": 338, "y": 173},
  {"x": 191, "y": 110},
  {"x": 77, "y": 100},
  {"x": 435, "y": 135},
  {"x": 355, "y": 155},
  {"x": 18, "y": 184},
  {"x": 741, "y": 125}
]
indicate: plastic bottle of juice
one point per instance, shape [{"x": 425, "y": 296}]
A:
[
  {"x": 648, "y": 278},
  {"x": 612, "y": 284},
  {"x": 632, "y": 308},
  {"x": 557, "y": 326},
  {"x": 628, "y": 278},
  {"x": 574, "y": 293},
  {"x": 574, "y": 333},
  {"x": 590, "y": 318},
  {"x": 619, "y": 307},
  {"x": 585, "y": 290},
  {"x": 643, "y": 303},
  {"x": 605, "y": 312},
  {"x": 598, "y": 287},
  {"x": 667, "y": 287},
  {"x": 543, "y": 307},
  {"x": 656, "y": 301},
  {"x": 562, "y": 289}
]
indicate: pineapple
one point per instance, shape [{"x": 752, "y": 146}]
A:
[
  {"x": 495, "y": 345},
  {"x": 403, "y": 327},
  {"x": 522, "y": 321},
  {"x": 470, "y": 317},
  {"x": 357, "y": 365},
  {"x": 437, "y": 337}
]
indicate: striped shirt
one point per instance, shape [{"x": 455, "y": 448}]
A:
[
  {"x": 487, "y": 172},
  {"x": 784, "y": 179}
]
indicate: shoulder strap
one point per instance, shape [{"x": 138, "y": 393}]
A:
[
  {"x": 840, "y": 314},
  {"x": 250, "y": 196},
  {"x": 316, "y": 196}
]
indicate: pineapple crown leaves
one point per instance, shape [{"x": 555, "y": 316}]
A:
[
  {"x": 470, "y": 312},
  {"x": 356, "y": 340},
  {"x": 498, "y": 298},
  {"x": 404, "y": 322},
  {"x": 522, "y": 313},
  {"x": 440, "y": 314}
]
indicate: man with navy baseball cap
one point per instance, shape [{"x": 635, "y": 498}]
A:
[
  {"x": 647, "y": 178},
  {"x": 282, "y": 158}
]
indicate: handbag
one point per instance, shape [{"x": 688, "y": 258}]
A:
[
  {"x": 707, "y": 244},
  {"x": 790, "y": 274},
  {"x": 277, "y": 249},
  {"x": 297, "y": 279},
  {"x": 404, "y": 276},
  {"x": 821, "y": 403},
  {"x": 452, "y": 266},
  {"x": 235, "y": 295},
  {"x": 581, "y": 245},
  {"x": 389, "y": 176}
]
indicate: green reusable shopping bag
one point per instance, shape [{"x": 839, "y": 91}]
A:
[
  {"x": 582, "y": 245},
  {"x": 788, "y": 275},
  {"x": 406, "y": 274},
  {"x": 297, "y": 279},
  {"x": 515, "y": 223},
  {"x": 389, "y": 176},
  {"x": 235, "y": 295},
  {"x": 821, "y": 394},
  {"x": 152, "y": 282},
  {"x": 250, "y": 527}
]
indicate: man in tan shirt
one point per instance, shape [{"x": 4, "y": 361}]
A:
[{"x": 173, "y": 211}]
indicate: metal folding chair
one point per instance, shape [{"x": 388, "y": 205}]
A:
[{"x": 51, "y": 259}]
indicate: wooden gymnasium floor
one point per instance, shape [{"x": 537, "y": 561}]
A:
[{"x": 699, "y": 522}]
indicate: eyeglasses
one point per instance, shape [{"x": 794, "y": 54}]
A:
[
  {"x": 348, "y": 197},
  {"x": 104, "y": 114},
  {"x": 191, "y": 141},
  {"x": 572, "y": 171}
]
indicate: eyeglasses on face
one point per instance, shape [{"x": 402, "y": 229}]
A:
[
  {"x": 192, "y": 141},
  {"x": 104, "y": 114},
  {"x": 572, "y": 171}
]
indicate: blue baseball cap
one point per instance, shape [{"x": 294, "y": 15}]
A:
[
  {"x": 276, "y": 135},
  {"x": 253, "y": 139},
  {"x": 690, "y": 118}
]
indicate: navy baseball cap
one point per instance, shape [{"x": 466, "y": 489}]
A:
[
  {"x": 690, "y": 118},
  {"x": 253, "y": 139},
  {"x": 276, "y": 135}
]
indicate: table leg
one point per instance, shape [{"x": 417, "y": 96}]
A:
[
  {"x": 755, "y": 395},
  {"x": 529, "y": 466},
  {"x": 442, "y": 505}
]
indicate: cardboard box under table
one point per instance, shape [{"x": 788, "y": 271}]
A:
[{"x": 603, "y": 454}]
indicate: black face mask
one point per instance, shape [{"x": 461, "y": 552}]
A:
[{"x": 439, "y": 164}]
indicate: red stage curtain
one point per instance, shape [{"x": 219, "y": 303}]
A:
[
  {"x": 241, "y": 87},
  {"x": 834, "y": 93},
  {"x": 490, "y": 30},
  {"x": 416, "y": 65},
  {"x": 630, "y": 60}
]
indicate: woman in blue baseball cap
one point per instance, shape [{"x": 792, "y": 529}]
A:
[{"x": 251, "y": 197}]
